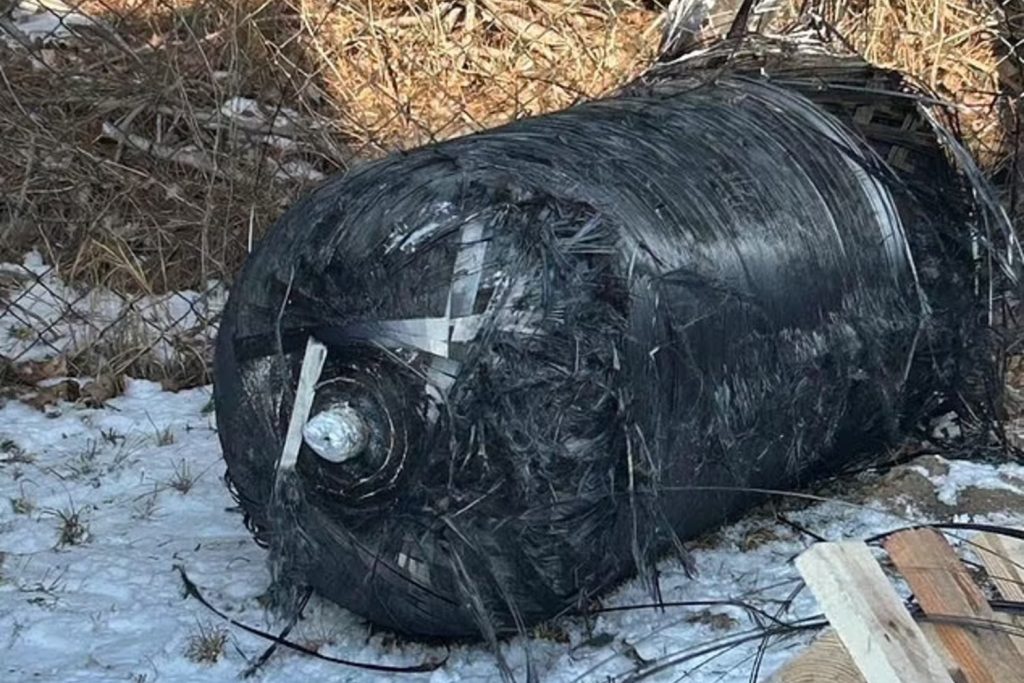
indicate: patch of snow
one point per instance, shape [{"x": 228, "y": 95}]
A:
[
  {"x": 297, "y": 169},
  {"x": 251, "y": 114},
  {"x": 42, "y": 316},
  {"x": 965, "y": 474},
  {"x": 45, "y": 21}
]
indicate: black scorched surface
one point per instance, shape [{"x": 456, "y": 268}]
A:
[{"x": 577, "y": 338}]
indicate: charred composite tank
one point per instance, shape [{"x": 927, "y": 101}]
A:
[{"x": 560, "y": 348}]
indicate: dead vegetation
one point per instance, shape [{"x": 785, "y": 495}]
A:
[
  {"x": 148, "y": 144},
  {"x": 183, "y": 479},
  {"x": 72, "y": 528},
  {"x": 207, "y": 644},
  {"x": 163, "y": 142},
  {"x": 963, "y": 51},
  {"x": 11, "y": 453}
]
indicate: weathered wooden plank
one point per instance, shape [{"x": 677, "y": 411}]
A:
[
  {"x": 826, "y": 659},
  {"x": 1003, "y": 558},
  {"x": 943, "y": 588},
  {"x": 880, "y": 636}
]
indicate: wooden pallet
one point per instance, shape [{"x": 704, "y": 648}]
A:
[{"x": 874, "y": 639}]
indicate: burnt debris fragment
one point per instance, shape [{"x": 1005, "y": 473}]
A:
[{"x": 558, "y": 348}]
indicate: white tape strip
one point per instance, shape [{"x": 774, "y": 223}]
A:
[{"x": 312, "y": 366}]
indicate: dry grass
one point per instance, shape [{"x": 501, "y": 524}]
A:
[
  {"x": 22, "y": 505},
  {"x": 184, "y": 479},
  {"x": 955, "y": 48},
  {"x": 128, "y": 177},
  {"x": 960, "y": 49},
  {"x": 72, "y": 528},
  {"x": 405, "y": 73},
  {"x": 108, "y": 213},
  {"x": 120, "y": 165},
  {"x": 207, "y": 644}
]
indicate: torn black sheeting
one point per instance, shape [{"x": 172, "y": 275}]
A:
[{"x": 574, "y": 340}]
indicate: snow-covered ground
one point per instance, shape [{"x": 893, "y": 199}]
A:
[
  {"x": 97, "y": 506},
  {"x": 41, "y": 315}
]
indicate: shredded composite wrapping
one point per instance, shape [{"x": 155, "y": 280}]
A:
[{"x": 558, "y": 349}]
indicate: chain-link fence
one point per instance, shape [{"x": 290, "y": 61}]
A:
[
  {"x": 145, "y": 145},
  {"x": 148, "y": 144}
]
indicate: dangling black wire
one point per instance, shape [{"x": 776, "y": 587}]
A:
[{"x": 191, "y": 590}]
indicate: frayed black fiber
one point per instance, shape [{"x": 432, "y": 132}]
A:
[
  {"x": 292, "y": 549},
  {"x": 560, "y": 348}
]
